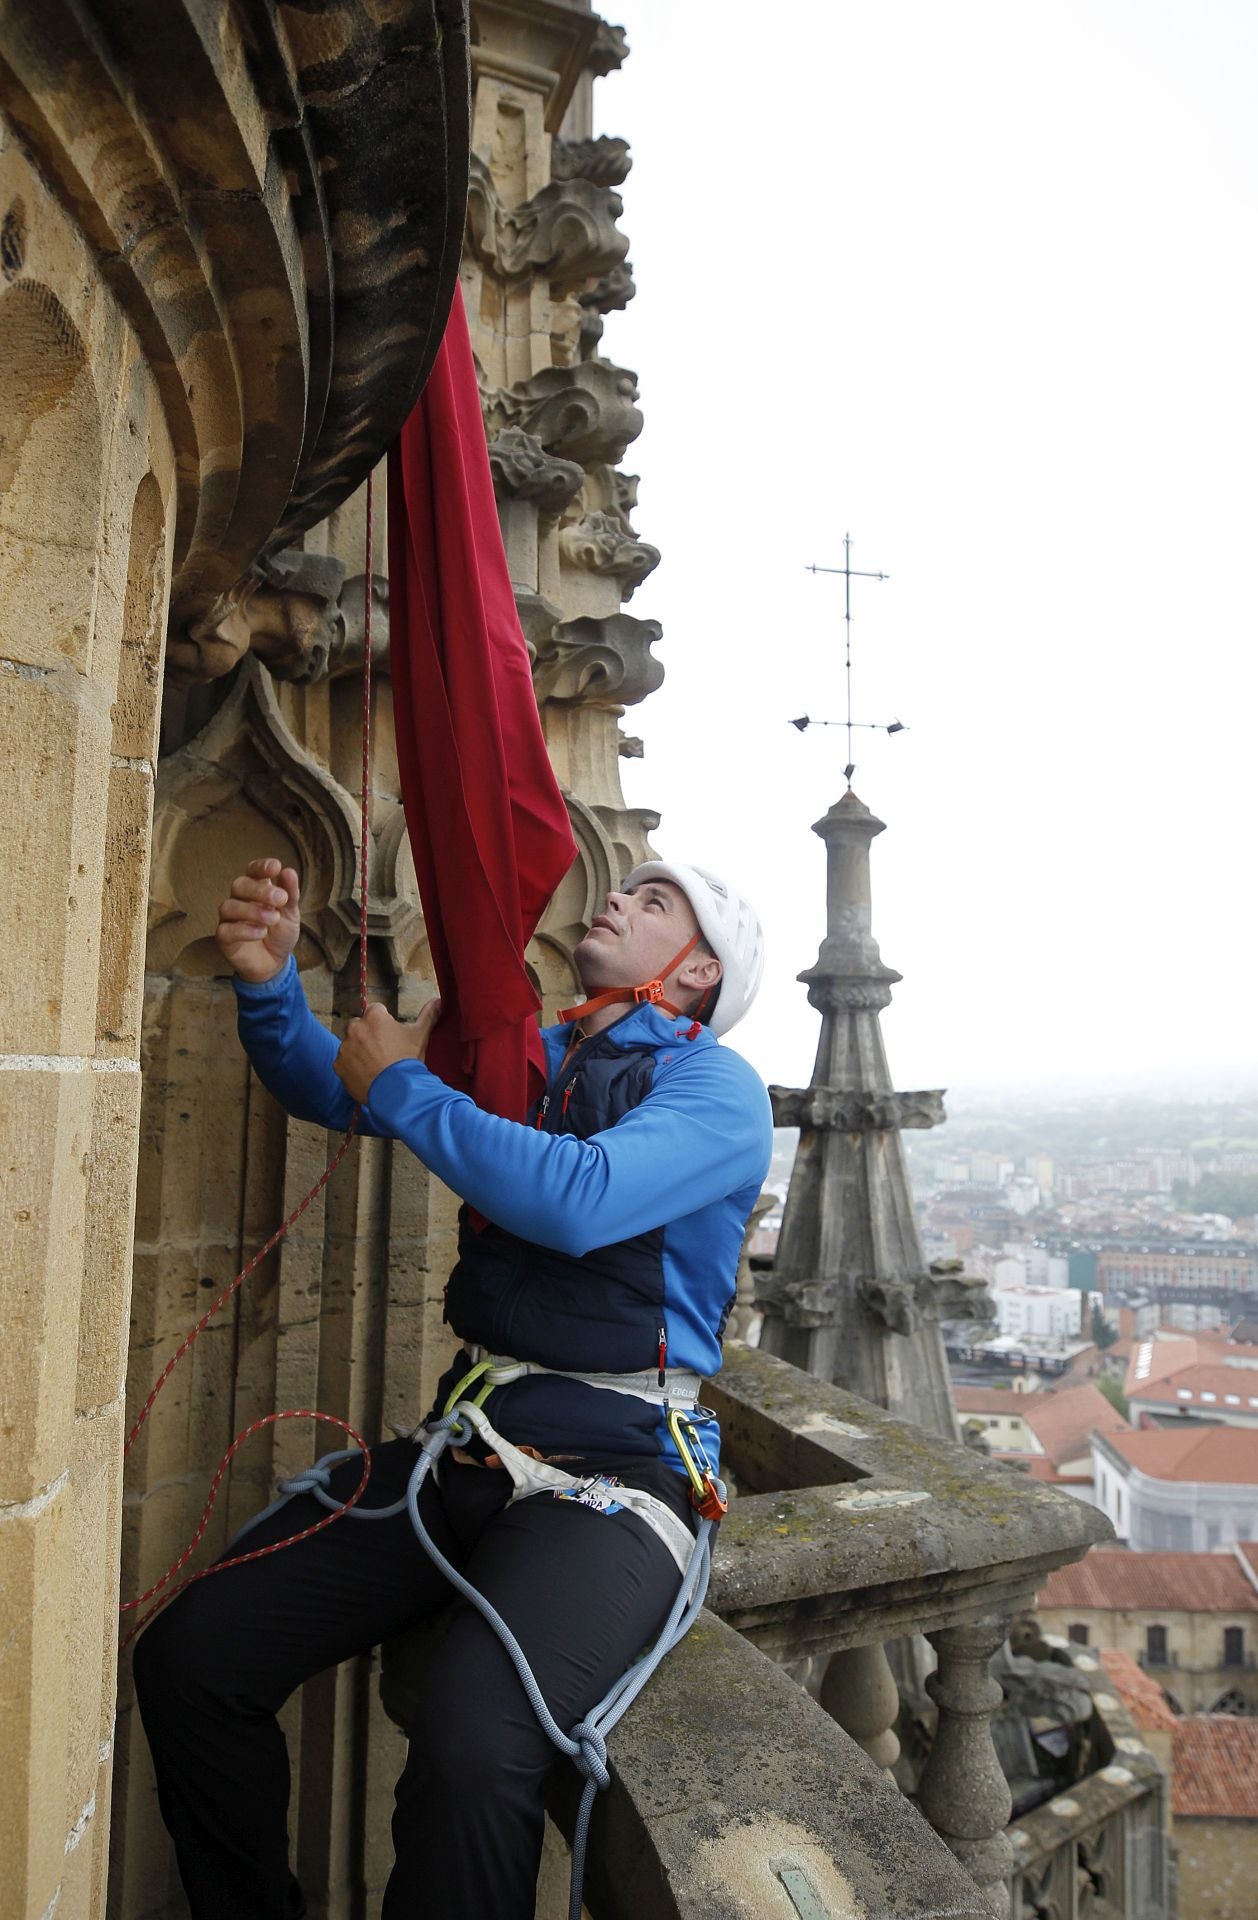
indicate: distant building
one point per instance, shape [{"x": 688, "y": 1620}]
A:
[
  {"x": 1212, "y": 1763},
  {"x": 1051, "y": 1431},
  {"x": 1046, "y": 1313},
  {"x": 1227, "y": 1269},
  {"x": 1214, "y": 1806},
  {"x": 1181, "y": 1378},
  {"x": 1190, "y": 1619},
  {"x": 1192, "y": 1489}
]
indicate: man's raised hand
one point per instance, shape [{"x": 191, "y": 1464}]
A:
[{"x": 259, "y": 922}]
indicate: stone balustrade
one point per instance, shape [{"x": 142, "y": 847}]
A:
[{"x": 1100, "y": 1848}]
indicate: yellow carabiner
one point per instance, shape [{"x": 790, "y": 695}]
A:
[{"x": 482, "y": 1366}]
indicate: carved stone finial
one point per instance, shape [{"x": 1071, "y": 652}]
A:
[
  {"x": 604, "y": 161},
  {"x": 604, "y": 662},
  {"x": 523, "y": 470},
  {"x": 285, "y": 610},
  {"x": 587, "y": 412}
]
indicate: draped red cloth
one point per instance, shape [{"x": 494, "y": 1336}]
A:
[{"x": 488, "y": 827}]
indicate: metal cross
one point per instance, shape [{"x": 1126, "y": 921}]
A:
[{"x": 849, "y": 573}]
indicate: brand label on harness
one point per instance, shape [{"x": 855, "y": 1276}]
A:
[{"x": 597, "y": 1493}]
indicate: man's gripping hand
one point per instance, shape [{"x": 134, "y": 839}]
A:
[
  {"x": 378, "y": 1041},
  {"x": 259, "y": 922}
]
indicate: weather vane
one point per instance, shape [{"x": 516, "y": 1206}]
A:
[{"x": 849, "y": 573}]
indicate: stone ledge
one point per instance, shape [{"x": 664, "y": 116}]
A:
[{"x": 728, "y": 1777}]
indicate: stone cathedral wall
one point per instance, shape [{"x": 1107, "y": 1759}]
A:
[{"x": 163, "y": 334}]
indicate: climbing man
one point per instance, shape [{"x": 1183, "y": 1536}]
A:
[{"x": 597, "y": 1257}]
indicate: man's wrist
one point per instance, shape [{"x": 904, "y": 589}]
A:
[{"x": 259, "y": 989}]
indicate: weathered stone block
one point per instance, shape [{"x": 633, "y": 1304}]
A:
[
  {"x": 95, "y": 1504},
  {"x": 115, "y": 1119},
  {"x": 45, "y": 1130},
  {"x": 56, "y": 755},
  {"x": 123, "y": 901},
  {"x": 35, "y": 1700}
]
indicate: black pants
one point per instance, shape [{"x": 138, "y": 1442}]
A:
[{"x": 582, "y": 1591}]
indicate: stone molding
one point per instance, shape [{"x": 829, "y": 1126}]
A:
[
  {"x": 842, "y": 1110},
  {"x": 566, "y": 231},
  {"x": 594, "y": 662},
  {"x": 586, "y": 412}
]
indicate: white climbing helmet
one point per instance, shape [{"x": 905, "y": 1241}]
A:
[{"x": 729, "y": 925}]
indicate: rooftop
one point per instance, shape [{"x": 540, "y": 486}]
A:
[
  {"x": 1064, "y": 1422},
  {"x": 1210, "y": 1383},
  {"x": 1120, "y": 1582},
  {"x": 1222, "y": 1456},
  {"x": 1214, "y": 1772},
  {"x": 1142, "y": 1697},
  {"x": 989, "y": 1400}
]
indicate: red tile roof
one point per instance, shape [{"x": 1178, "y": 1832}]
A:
[
  {"x": 1214, "y": 1767},
  {"x": 1221, "y": 1456},
  {"x": 1064, "y": 1422},
  {"x": 1158, "y": 1356},
  {"x": 1248, "y": 1550},
  {"x": 1142, "y": 1696},
  {"x": 1205, "y": 1376},
  {"x": 989, "y": 1400},
  {"x": 1120, "y": 1582}
]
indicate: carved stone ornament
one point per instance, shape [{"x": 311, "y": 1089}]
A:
[
  {"x": 523, "y": 470},
  {"x": 892, "y": 1302},
  {"x": 567, "y": 231},
  {"x": 600, "y": 544},
  {"x": 801, "y": 1301},
  {"x": 587, "y": 412},
  {"x": 604, "y": 161},
  {"x": 609, "y": 51},
  {"x": 829, "y": 995},
  {"x": 949, "y": 1293},
  {"x": 604, "y": 662},
  {"x": 837, "y": 1110},
  {"x": 610, "y": 294},
  {"x": 286, "y": 610},
  {"x": 538, "y": 619}
]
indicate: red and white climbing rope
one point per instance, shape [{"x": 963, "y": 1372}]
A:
[{"x": 164, "y": 1590}]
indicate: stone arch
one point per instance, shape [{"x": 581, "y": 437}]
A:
[
  {"x": 51, "y": 481},
  {"x": 246, "y": 784}
]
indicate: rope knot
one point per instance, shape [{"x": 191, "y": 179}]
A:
[
  {"x": 591, "y": 1756},
  {"x": 310, "y": 1480}
]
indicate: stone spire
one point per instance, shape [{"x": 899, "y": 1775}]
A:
[{"x": 850, "y": 1297}]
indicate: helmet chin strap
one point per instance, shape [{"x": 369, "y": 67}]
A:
[{"x": 652, "y": 992}]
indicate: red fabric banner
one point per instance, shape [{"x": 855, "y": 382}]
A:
[{"x": 488, "y": 827}]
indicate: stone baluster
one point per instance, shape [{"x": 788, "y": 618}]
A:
[
  {"x": 963, "y": 1792},
  {"x": 859, "y": 1691}
]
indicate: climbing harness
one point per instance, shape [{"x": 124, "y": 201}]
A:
[
  {"x": 675, "y": 1390},
  {"x": 586, "y": 1744}
]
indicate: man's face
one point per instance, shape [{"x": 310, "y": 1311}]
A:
[{"x": 636, "y": 936}]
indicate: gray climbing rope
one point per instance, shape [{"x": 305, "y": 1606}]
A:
[{"x": 586, "y": 1745}]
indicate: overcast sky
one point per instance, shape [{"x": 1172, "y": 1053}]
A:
[{"x": 977, "y": 282}]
